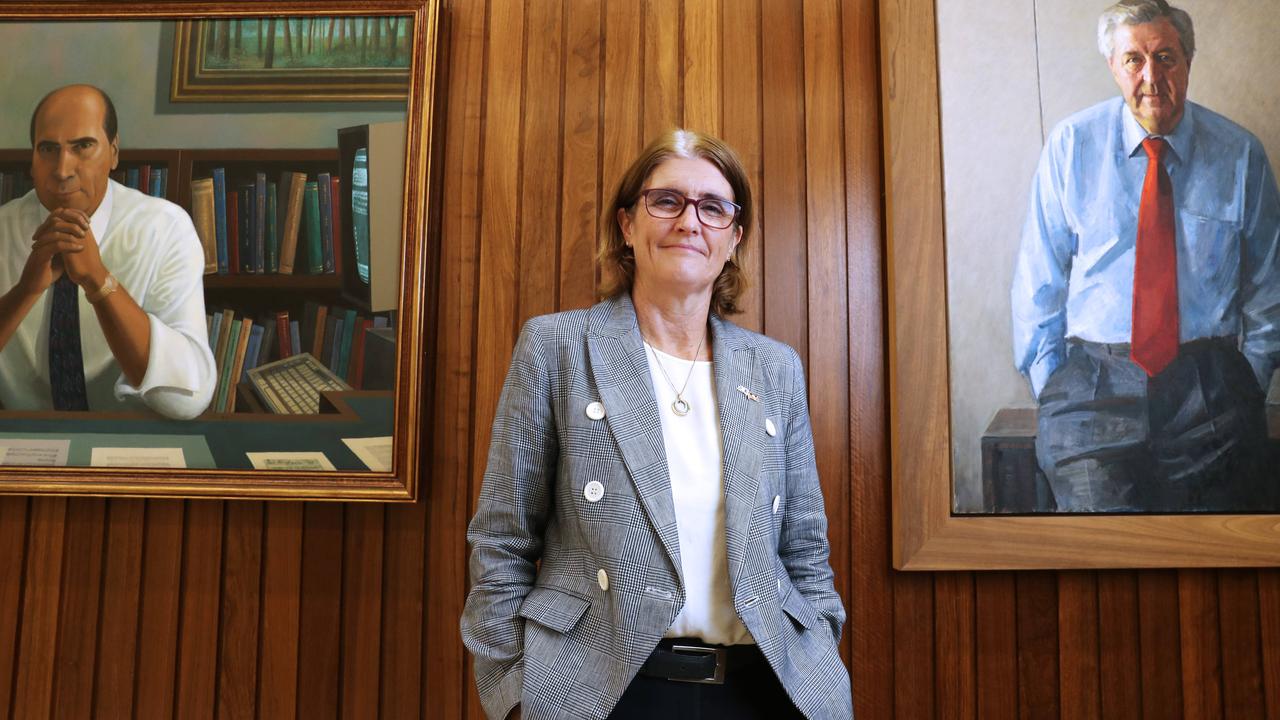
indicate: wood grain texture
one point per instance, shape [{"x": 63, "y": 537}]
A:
[
  {"x": 1201, "y": 644},
  {"x": 280, "y": 610},
  {"x": 362, "y": 589},
  {"x": 199, "y": 618},
  {"x": 1118, "y": 645},
  {"x": 240, "y": 614},
  {"x": 78, "y": 618},
  {"x": 1242, "y": 687},
  {"x": 1159, "y": 644},
  {"x": 955, "y": 657},
  {"x": 357, "y": 606},
  {"x": 1037, "y": 619},
  {"x": 1078, "y": 692},
  {"x": 159, "y": 608},
  {"x": 320, "y": 612},
  {"x": 784, "y": 253},
  {"x": 913, "y": 649},
  {"x": 117, "y": 629},
  {"x": 41, "y": 600},
  {"x": 1269, "y": 624},
  {"x": 996, "y": 642},
  {"x": 13, "y": 552}
]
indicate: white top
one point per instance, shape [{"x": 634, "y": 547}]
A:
[
  {"x": 151, "y": 247},
  {"x": 693, "y": 450}
]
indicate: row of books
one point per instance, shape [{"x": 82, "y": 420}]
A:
[
  {"x": 334, "y": 335},
  {"x": 152, "y": 181},
  {"x": 265, "y": 226},
  {"x": 13, "y": 185}
]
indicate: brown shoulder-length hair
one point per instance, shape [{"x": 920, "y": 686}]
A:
[{"x": 618, "y": 262}]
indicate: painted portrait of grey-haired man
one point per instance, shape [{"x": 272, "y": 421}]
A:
[{"x": 1146, "y": 307}]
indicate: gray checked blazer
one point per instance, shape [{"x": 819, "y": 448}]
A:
[{"x": 569, "y": 597}]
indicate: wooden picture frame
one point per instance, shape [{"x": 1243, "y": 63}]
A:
[
  {"x": 194, "y": 80},
  {"x": 410, "y": 358},
  {"x": 926, "y": 534}
]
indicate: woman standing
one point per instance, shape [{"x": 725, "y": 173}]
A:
[{"x": 650, "y": 539}]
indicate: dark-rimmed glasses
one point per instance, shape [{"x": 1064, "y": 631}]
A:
[{"x": 712, "y": 212}]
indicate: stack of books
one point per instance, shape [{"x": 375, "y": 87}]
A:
[{"x": 265, "y": 226}]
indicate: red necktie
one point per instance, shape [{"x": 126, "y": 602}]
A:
[{"x": 1155, "y": 269}]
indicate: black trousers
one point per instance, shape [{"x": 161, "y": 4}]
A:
[
  {"x": 1191, "y": 438},
  {"x": 750, "y": 691}
]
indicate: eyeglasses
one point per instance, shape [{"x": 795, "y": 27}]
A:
[{"x": 668, "y": 204}]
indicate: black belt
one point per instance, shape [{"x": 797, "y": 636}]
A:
[{"x": 691, "y": 660}]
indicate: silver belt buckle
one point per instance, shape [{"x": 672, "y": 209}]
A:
[{"x": 718, "y": 678}]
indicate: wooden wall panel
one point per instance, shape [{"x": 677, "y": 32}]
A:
[{"x": 163, "y": 608}]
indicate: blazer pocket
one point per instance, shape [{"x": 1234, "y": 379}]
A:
[
  {"x": 554, "y": 608},
  {"x": 795, "y": 605}
]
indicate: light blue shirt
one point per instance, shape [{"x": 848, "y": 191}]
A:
[{"x": 1074, "y": 277}]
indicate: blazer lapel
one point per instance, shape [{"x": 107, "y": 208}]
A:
[
  {"x": 621, "y": 373},
  {"x": 741, "y": 431}
]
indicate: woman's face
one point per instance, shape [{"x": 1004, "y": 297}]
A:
[{"x": 680, "y": 255}]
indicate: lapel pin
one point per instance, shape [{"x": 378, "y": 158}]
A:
[{"x": 750, "y": 395}]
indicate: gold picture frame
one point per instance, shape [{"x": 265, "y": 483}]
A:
[
  {"x": 195, "y": 79},
  {"x": 926, "y": 534},
  {"x": 413, "y": 312}
]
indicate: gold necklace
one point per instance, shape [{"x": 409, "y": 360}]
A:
[{"x": 679, "y": 406}]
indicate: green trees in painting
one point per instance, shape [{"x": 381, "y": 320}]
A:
[{"x": 306, "y": 42}]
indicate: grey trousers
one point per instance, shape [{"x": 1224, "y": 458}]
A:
[{"x": 1192, "y": 438}]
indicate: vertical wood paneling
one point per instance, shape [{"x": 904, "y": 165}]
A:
[
  {"x": 241, "y": 604},
  {"x": 1118, "y": 645},
  {"x": 660, "y": 77},
  {"x": 702, "y": 72},
  {"x": 1269, "y": 623},
  {"x": 997, "y": 645},
  {"x": 580, "y": 191},
  {"x": 445, "y": 681},
  {"x": 78, "y": 620},
  {"x": 41, "y": 599},
  {"x": 362, "y": 609},
  {"x": 624, "y": 82},
  {"x": 280, "y": 613},
  {"x": 1037, "y": 619},
  {"x": 320, "y": 613},
  {"x": 1078, "y": 645},
  {"x": 954, "y": 661},
  {"x": 870, "y": 601},
  {"x": 13, "y": 549},
  {"x": 1160, "y": 644},
  {"x": 197, "y": 666},
  {"x": 1242, "y": 690},
  {"x": 825, "y": 228},
  {"x": 280, "y": 610},
  {"x": 401, "y": 639},
  {"x": 913, "y": 651},
  {"x": 741, "y": 100},
  {"x": 121, "y": 597},
  {"x": 1201, "y": 645},
  {"x": 158, "y": 612},
  {"x": 786, "y": 281},
  {"x": 540, "y": 163}
]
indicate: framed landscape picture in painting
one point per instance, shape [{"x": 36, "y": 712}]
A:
[
  {"x": 279, "y": 369},
  {"x": 970, "y": 489},
  {"x": 340, "y": 58}
]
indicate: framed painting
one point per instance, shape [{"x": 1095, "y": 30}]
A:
[
  {"x": 969, "y": 491},
  {"x": 284, "y": 351},
  {"x": 336, "y": 58}
]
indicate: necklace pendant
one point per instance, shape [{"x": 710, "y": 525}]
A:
[{"x": 680, "y": 407}]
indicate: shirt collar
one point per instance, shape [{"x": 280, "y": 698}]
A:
[{"x": 1180, "y": 140}]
